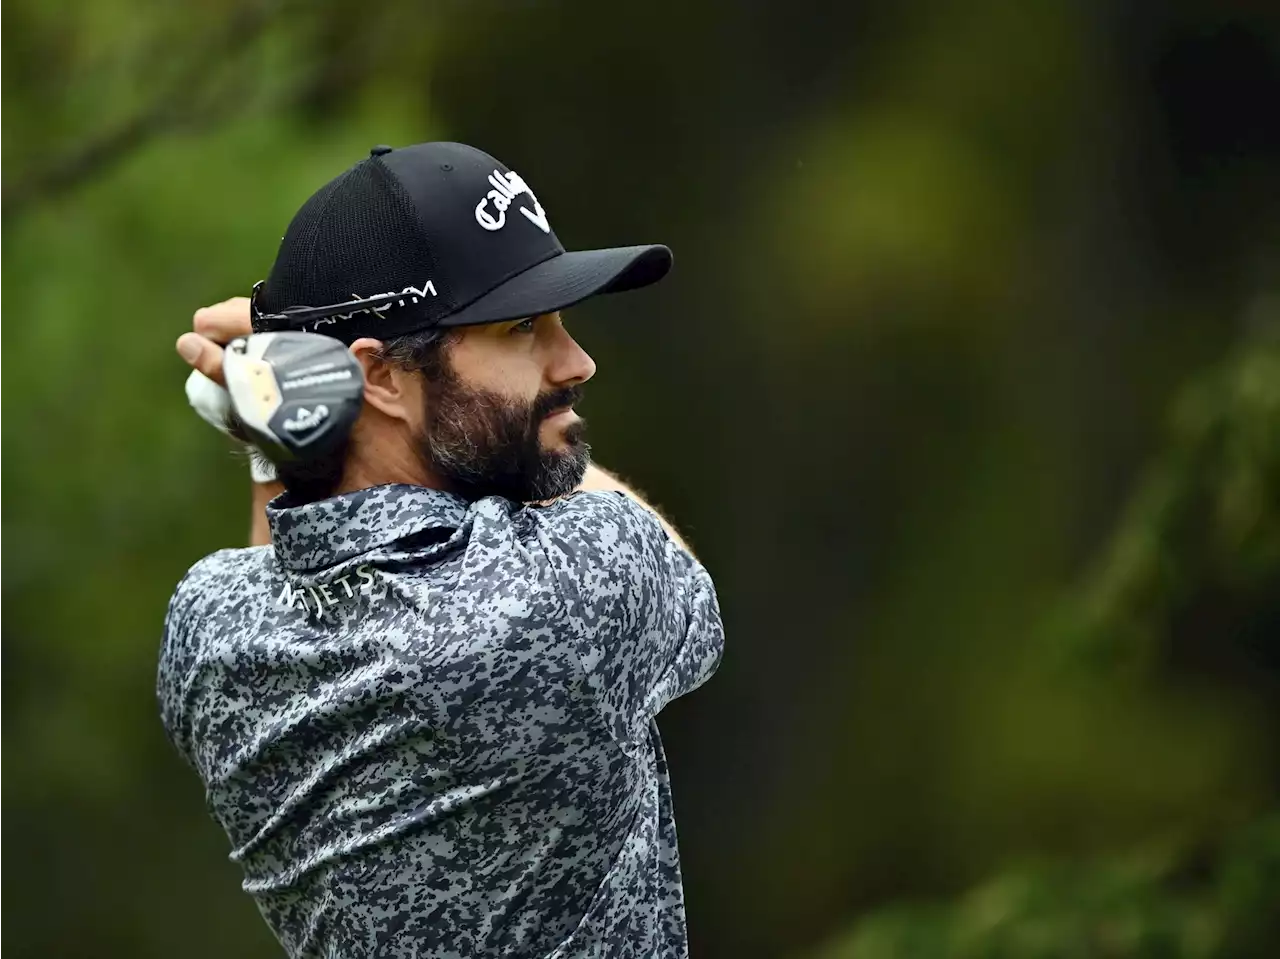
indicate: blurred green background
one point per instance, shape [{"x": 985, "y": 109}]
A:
[{"x": 966, "y": 387}]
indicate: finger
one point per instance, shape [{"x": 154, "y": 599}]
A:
[
  {"x": 203, "y": 354},
  {"x": 223, "y": 322}
]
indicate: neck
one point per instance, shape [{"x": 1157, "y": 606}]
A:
[{"x": 381, "y": 463}]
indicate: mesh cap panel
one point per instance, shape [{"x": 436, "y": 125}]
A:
[{"x": 358, "y": 232}]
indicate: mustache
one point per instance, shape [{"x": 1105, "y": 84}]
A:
[{"x": 547, "y": 403}]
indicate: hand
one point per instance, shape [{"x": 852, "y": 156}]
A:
[
  {"x": 214, "y": 326},
  {"x": 224, "y": 321},
  {"x": 204, "y": 355}
]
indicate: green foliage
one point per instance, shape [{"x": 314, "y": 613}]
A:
[
  {"x": 1189, "y": 904},
  {"x": 1206, "y": 522},
  {"x": 941, "y": 268}
]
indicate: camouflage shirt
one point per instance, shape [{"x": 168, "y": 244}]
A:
[{"x": 427, "y": 725}]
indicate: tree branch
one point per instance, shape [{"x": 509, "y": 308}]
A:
[{"x": 177, "y": 106}]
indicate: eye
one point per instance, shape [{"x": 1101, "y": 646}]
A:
[{"x": 524, "y": 326}]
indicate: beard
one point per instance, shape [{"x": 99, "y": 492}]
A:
[{"x": 485, "y": 444}]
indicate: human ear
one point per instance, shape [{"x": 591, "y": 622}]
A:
[{"x": 388, "y": 388}]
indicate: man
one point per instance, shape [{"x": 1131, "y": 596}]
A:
[{"x": 423, "y": 707}]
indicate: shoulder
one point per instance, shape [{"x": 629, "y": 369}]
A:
[
  {"x": 209, "y": 579},
  {"x": 604, "y": 547},
  {"x": 224, "y": 564},
  {"x": 201, "y": 597},
  {"x": 602, "y": 538},
  {"x": 598, "y": 521}
]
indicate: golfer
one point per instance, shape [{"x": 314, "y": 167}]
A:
[{"x": 422, "y": 706}]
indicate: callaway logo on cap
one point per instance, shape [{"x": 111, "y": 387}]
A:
[{"x": 437, "y": 234}]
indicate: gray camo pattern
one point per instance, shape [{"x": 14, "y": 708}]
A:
[{"x": 427, "y": 725}]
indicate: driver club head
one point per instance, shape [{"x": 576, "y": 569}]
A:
[{"x": 297, "y": 394}]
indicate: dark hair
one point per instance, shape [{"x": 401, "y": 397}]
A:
[{"x": 422, "y": 351}]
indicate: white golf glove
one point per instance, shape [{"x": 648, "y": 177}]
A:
[{"x": 213, "y": 404}]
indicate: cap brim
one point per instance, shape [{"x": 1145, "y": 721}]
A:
[{"x": 563, "y": 280}]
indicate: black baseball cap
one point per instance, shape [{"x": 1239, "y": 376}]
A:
[{"x": 432, "y": 235}]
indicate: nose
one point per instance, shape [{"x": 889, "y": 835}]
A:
[{"x": 571, "y": 364}]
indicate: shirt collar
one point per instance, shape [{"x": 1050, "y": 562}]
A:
[{"x": 329, "y": 531}]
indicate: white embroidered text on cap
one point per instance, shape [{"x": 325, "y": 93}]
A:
[{"x": 505, "y": 189}]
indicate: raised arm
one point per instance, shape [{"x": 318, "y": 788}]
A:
[
  {"x": 202, "y": 349},
  {"x": 600, "y": 479},
  {"x": 259, "y": 531},
  {"x": 642, "y": 610}
]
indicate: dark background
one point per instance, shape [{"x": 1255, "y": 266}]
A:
[{"x": 966, "y": 387}]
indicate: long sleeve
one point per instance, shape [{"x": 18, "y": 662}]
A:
[{"x": 643, "y": 610}]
